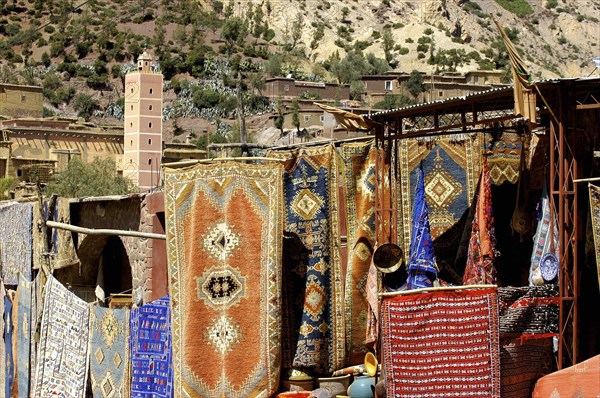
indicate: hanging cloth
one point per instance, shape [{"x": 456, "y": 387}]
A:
[
  {"x": 480, "y": 268},
  {"x": 422, "y": 268}
]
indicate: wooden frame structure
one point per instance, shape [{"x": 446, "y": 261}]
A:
[{"x": 560, "y": 103}]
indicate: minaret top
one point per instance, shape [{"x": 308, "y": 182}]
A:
[{"x": 145, "y": 63}]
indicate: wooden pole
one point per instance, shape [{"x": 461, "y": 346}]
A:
[
  {"x": 435, "y": 289},
  {"x": 116, "y": 232}
]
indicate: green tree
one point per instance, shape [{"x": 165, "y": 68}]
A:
[
  {"x": 388, "y": 44},
  {"x": 98, "y": 178},
  {"x": 280, "y": 117},
  {"x": 297, "y": 27},
  {"x": 84, "y": 105},
  {"x": 5, "y": 185},
  {"x": 415, "y": 84},
  {"x": 295, "y": 108}
]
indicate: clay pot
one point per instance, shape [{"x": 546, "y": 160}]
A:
[{"x": 335, "y": 385}]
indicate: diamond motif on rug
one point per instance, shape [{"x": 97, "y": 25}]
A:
[
  {"x": 367, "y": 182},
  {"x": 223, "y": 334},
  {"x": 362, "y": 251},
  {"x": 440, "y": 187},
  {"x": 99, "y": 354},
  {"x": 307, "y": 204},
  {"x": 221, "y": 241},
  {"x": 315, "y": 299},
  {"x": 118, "y": 360},
  {"x": 220, "y": 288},
  {"x": 108, "y": 386},
  {"x": 110, "y": 329}
]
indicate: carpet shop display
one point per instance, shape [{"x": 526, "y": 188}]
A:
[
  {"x": 451, "y": 165},
  {"x": 15, "y": 241},
  {"x": 109, "y": 352},
  {"x": 441, "y": 344},
  {"x": 63, "y": 349},
  {"x": 359, "y": 181},
  {"x": 224, "y": 232},
  {"x": 151, "y": 350},
  {"x": 24, "y": 335},
  {"x": 311, "y": 212}
]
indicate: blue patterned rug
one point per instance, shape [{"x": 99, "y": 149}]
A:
[
  {"x": 151, "y": 352},
  {"x": 311, "y": 200},
  {"x": 24, "y": 334},
  {"x": 109, "y": 363},
  {"x": 452, "y": 166},
  {"x": 9, "y": 367}
]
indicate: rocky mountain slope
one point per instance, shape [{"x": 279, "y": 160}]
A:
[{"x": 80, "y": 50}]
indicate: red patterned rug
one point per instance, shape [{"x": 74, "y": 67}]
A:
[{"x": 442, "y": 344}]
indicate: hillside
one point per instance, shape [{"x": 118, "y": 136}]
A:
[{"x": 80, "y": 51}]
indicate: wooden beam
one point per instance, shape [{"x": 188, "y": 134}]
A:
[
  {"x": 583, "y": 107},
  {"x": 114, "y": 232}
]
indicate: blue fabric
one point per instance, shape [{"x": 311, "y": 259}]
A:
[
  {"x": 151, "y": 351},
  {"x": 422, "y": 257},
  {"x": 9, "y": 366},
  {"x": 24, "y": 331}
]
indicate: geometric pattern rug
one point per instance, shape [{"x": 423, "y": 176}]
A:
[
  {"x": 359, "y": 181},
  {"x": 15, "y": 241},
  {"x": 62, "y": 361},
  {"x": 595, "y": 212},
  {"x": 522, "y": 363},
  {"x": 441, "y": 344},
  {"x": 451, "y": 165},
  {"x": 109, "y": 344},
  {"x": 150, "y": 348},
  {"x": 311, "y": 213},
  {"x": 24, "y": 334},
  {"x": 529, "y": 311},
  {"x": 224, "y": 232},
  {"x": 504, "y": 158}
]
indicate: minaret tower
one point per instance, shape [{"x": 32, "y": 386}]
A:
[{"x": 143, "y": 125}]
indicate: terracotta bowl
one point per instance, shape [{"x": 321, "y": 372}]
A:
[{"x": 297, "y": 385}]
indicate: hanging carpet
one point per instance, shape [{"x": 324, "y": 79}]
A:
[
  {"x": 580, "y": 380},
  {"x": 595, "y": 211},
  {"x": 451, "y": 164},
  {"x": 224, "y": 236},
  {"x": 441, "y": 344},
  {"x": 9, "y": 367},
  {"x": 24, "y": 334},
  {"x": 151, "y": 350},
  {"x": 15, "y": 241},
  {"x": 505, "y": 157},
  {"x": 109, "y": 344},
  {"x": 311, "y": 213},
  {"x": 62, "y": 361},
  {"x": 359, "y": 181},
  {"x": 529, "y": 312},
  {"x": 481, "y": 268}
]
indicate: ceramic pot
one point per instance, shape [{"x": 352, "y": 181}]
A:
[
  {"x": 362, "y": 387},
  {"x": 335, "y": 385}
]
